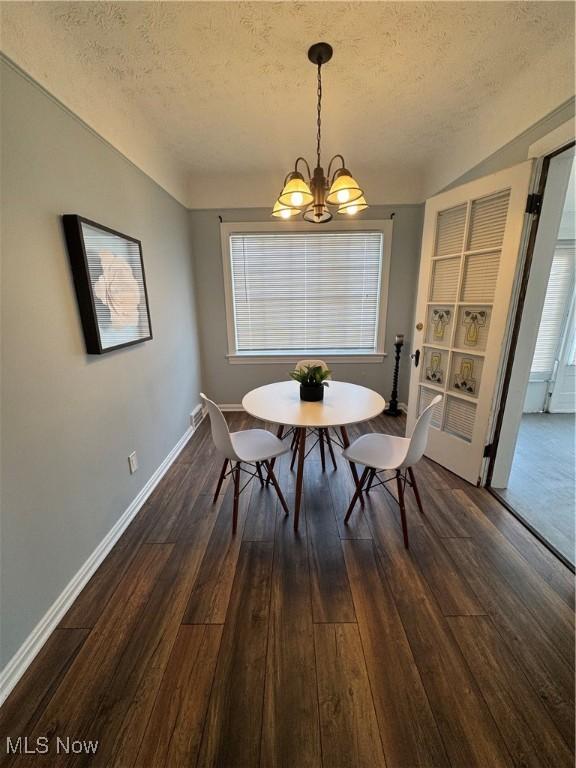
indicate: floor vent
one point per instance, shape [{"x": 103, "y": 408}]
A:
[{"x": 196, "y": 416}]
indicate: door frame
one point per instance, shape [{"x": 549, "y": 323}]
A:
[
  {"x": 517, "y": 312},
  {"x": 539, "y": 185}
]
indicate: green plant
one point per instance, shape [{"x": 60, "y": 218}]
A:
[{"x": 311, "y": 376}]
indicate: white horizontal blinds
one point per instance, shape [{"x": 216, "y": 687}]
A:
[
  {"x": 488, "y": 221},
  {"x": 426, "y": 397},
  {"x": 306, "y": 291},
  {"x": 445, "y": 274},
  {"x": 459, "y": 418},
  {"x": 556, "y": 305},
  {"x": 117, "y": 281},
  {"x": 480, "y": 277},
  {"x": 450, "y": 231}
]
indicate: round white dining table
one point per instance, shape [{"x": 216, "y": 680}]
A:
[{"x": 343, "y": 404}]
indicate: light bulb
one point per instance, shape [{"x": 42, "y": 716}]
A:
[
  {"x": 297, "y": 198},
  {"x": 351, "y": 210},
  {"x": 285, "y": 213},
  {"x": 343, "y": 195}
]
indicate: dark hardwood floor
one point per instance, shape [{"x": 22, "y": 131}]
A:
[{"x": 333, "y": 646}]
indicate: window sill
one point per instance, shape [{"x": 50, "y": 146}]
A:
[{"x": 270, "y": 359}]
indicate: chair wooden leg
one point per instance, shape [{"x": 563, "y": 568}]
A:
[
  {"x": 322, "y": 457},
  {"x": 402, "y": 507},
  {"x": 370, "y": 480},
  {"x": 416, "y": 491},
  {"x": 259, "y": 470},
  {"x": 329, "y": 441},
  {"x": 294, "y": 440},
  {"x": 356, "y": 494},
  {"x": 220, "y": 480},
  {"x": 272, "y": 477},
  {"x": 346, "y": 443},
  {"x": 236, "y": 497},
  {"x": 295, "y": 452},
  {"x": 279, "y": 433},
  {"x": 299, "y": 475}
]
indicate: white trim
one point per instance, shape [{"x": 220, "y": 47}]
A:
[
  {"x": 554, "y": 140},
  {"x": 263, "y": 359},
  {"x": 230, "y": 406},
  {"x": 385, "y": 226},
  {"x": 29, "y": 649}
]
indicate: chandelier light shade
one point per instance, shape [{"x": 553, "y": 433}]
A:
[
  {"x": 282, "y": 211},
  {"x": 314, "y": 197},
  {"x": 355, "y": 206},
  {"x": 296, "y": 192}
]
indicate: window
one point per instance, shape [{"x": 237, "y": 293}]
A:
[
  {"x": 306, "y": 291},
  {"x": 555, "y": 312}
]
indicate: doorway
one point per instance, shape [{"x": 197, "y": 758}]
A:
[{"x": 533, "y": 469}]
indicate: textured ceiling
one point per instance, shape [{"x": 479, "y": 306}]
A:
[{"x": 220, "y": 90}]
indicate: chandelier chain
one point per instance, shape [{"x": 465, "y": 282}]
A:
[{"x": 319, "y": 118}]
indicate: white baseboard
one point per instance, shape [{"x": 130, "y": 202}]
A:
[
  {"x": 403, "y": 407},
  {"x": 25, "y": 655}
]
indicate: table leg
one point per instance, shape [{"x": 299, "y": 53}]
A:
[
  {"x": 346, "y": 443},
  {"x": 299, "y": 475},
  {"x": 279, "y": 433}
]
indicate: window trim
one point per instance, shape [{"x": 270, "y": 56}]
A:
[{"x": 385, "y": 226}]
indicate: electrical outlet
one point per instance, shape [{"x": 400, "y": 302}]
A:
[{"x": 133, "y": 462}]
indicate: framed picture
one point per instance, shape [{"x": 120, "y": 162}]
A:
[{"x": 110, "y": 285}]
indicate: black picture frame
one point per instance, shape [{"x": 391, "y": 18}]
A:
[{"x": 110, "y": 283}]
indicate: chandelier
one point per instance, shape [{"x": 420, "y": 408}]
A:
[{"x": 312, "y": 198}]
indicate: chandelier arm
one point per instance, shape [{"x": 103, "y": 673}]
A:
[
  {"x": 303, "y": 159},
  {"x": 336, "y": 157}
]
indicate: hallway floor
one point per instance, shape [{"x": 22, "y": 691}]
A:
[
  {"x": 542, "y": 482},
  {"x": 332, "y": 647}
]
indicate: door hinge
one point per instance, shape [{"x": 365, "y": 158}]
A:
[
  {"x": 533, "y": 204},
  {"x": 488, "y": 450}
]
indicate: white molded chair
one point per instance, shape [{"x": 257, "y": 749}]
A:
[
  {"x": 384, "y": 453},
  {"x": 323, "y": 434},
  {"x": 250, "y": 446}
]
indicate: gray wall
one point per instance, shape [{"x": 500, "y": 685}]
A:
[
  {"x": 516, "y": 151},
  {"x": 69, "y": 421},
  {"x": 228, "y": 383}
]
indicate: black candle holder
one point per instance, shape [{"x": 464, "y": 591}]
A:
[{"x": 393, "y": 409}]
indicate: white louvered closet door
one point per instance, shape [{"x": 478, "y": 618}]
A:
[{"x": 470, "y": 247}]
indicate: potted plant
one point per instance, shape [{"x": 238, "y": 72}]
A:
[{"x": 312, "y": 382}]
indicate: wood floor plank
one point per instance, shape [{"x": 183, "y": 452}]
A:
[
  {"x": 263, "y": 514},
  {"x": 341, "y": 486},
  {"x": 77, "y": 699},
  {"x": 452, "y": 592},
  {"x": 408, "y": 729},
  {"x": 208, "y": 601},
  {"x": 331, "y": 596},
  {"x": 129, "y": 699},
  {"x": 538, "y": 657},
  {"x": 530, "y": 734},
  {"x": 541, "y": 559},
  {"x": 290, "y": 728},
  {"x": 465, "y": 723},
  {"x": 24, "y": 706},
  {"x": 233, "y": 723},
  {"x": 349, "y": 727},
  {"x": 556, "y": 619},
  {"x": 174, "y": 730}
]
